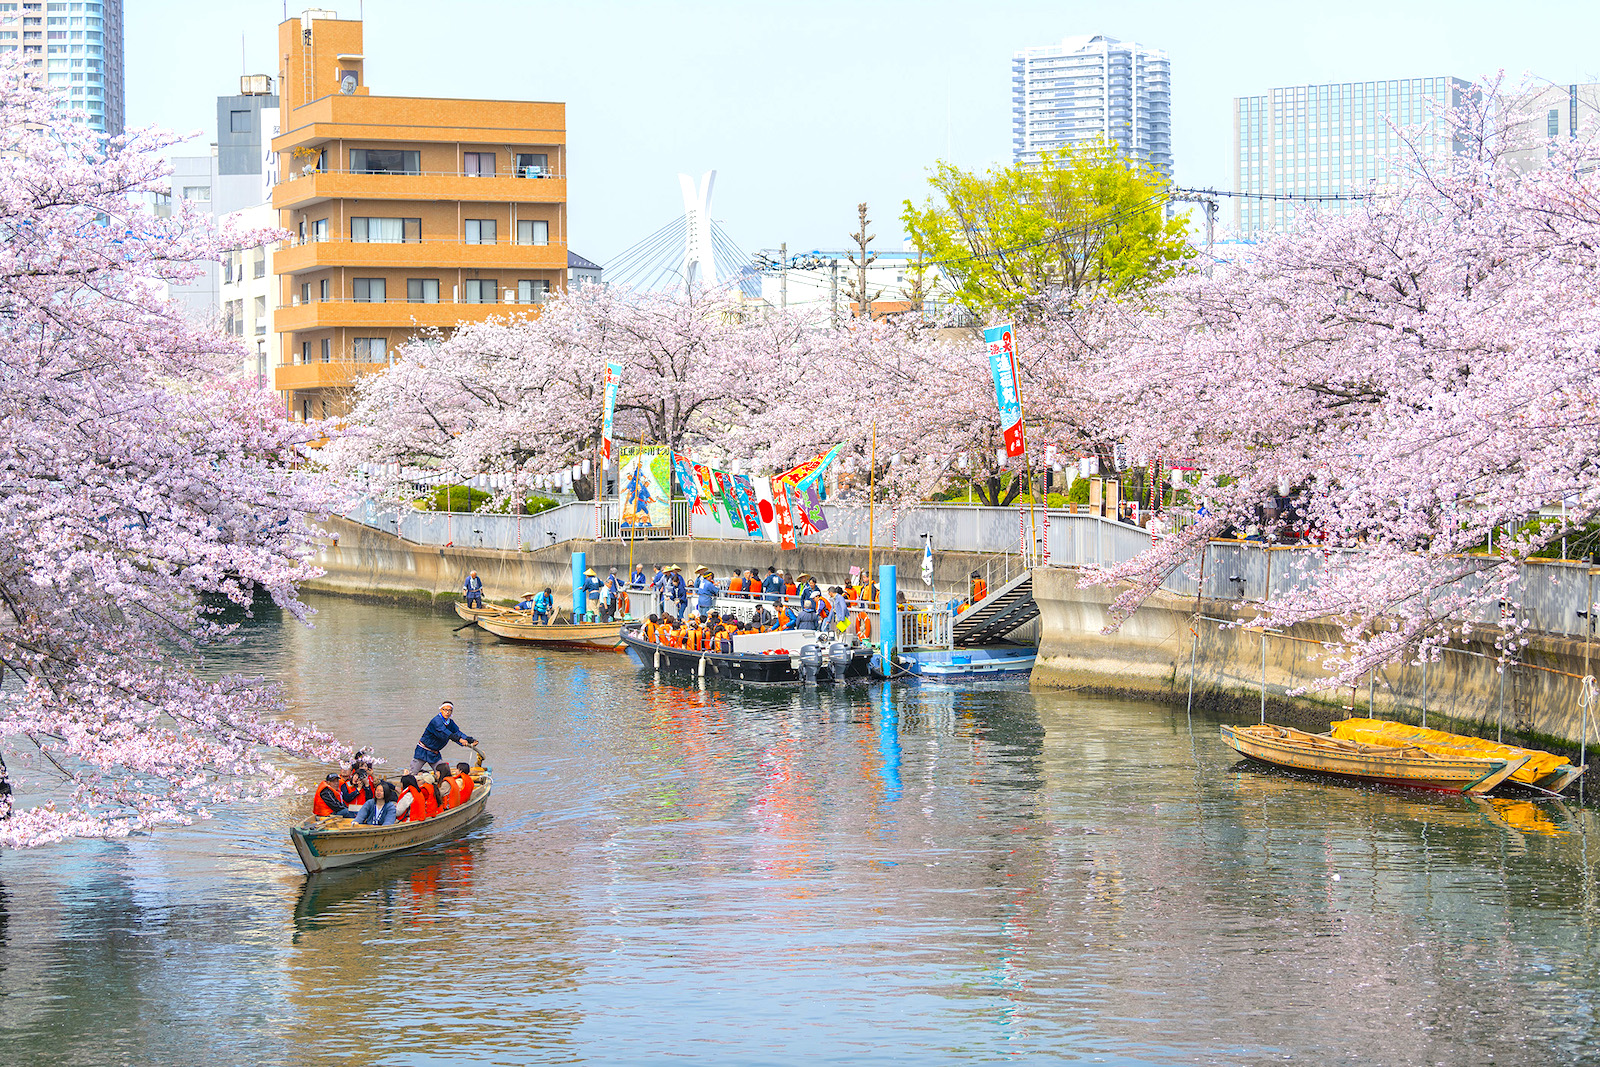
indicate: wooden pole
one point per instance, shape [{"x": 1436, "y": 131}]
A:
[{"x": 872, "y": 498}]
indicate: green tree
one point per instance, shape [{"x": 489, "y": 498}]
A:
[{"x": 1085, "y": 220}]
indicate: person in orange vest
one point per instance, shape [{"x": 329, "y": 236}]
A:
[
  {"x": 329, "y": 800},
  {"x": 736, "y": 584},
  {"x": 464, "y": 782},
  {"x": 980, "y": 588},
  {"x": 409, "y": 807},
  {"x": 652, "y": 629}
]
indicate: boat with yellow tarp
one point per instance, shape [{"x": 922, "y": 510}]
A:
[
  {"x": 1543, "y": 770},
  {"x": 1406, "y": 765}
]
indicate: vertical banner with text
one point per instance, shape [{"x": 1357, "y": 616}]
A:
[
  {"x": 613, "y": 378},
  {"x": 1003, "y": 365}
]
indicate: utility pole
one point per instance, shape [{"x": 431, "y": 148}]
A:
[
  {"x": 783, "y": 276},
  {"x": 833, "y": 267},
  {"x": 1207, "y": 200}
]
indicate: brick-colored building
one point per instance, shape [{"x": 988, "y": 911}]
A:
[{"x": 407, "y": 213}]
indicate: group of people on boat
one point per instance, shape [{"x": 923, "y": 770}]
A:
[{"x": 429, "y": 787}]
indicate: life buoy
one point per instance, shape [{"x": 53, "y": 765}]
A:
[{"x": 864, "y": 627}]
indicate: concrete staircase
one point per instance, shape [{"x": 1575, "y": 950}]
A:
[{"x": 1001, "y": 612}]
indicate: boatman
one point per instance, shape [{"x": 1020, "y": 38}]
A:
[
  {"x": 440, "y": 732},
  {"x": 474, "y": 587}
]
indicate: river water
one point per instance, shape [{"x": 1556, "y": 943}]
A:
[{"x": 888, "y": 875}]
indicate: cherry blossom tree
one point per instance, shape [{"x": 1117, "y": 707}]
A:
[
  {"x": 1420, "y": 376},
  {"x": 524, "y": 394},
  {"x": 142, "y": 492}
]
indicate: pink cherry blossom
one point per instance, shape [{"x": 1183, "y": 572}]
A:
[{"x": 141, "y": 491}]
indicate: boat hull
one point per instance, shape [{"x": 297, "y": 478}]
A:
[
  {"x": 1409, "y": 767},
  {"x": 515, "y": 627},
  {"x": 322, "y": 849},
  {"x": 474, "y": 614},
  {"x": 767, "y": 670}
]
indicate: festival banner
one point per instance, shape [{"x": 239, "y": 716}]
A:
[
  {"x": 644, "y": 475},
  {"x": 730, "y": 499},
  {"x": 808, "y": 472},
  {"x": 809, "y": 519},
  {"x": 745, "y": 493},
  {"x": 613, "y": 379},
  {"x": 1003, "y": 366},
  {"x": 766, "y": 509},
  {"x": 705, "y": 483},
  {"x": 688, "y": 482},
  {"x": 783, "y": 515}
]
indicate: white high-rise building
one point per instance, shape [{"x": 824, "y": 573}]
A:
[
  {"x": 1330, "y": 140},
  {"x": 1092, "y": 88},
  {"x": 78, "y": 44}
]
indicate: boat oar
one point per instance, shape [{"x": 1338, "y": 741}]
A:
[{"x": 463, "y": 626}]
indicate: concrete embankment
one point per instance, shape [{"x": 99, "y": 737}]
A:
[{"x": 1536, "y": 700}]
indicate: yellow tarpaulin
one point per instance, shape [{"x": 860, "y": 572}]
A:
[{"x": 1440, "y": 743}]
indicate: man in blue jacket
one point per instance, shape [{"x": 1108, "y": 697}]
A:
[
  {"x": 439, "y": 732},
  {"x": 677, "y": 591},
  {"x": 705, "y": 593},
  {"x": 773, "y": 586},
  {"x": 474, "y": 587}
]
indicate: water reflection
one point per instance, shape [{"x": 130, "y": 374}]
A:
[{"x": 721, "y": 874}]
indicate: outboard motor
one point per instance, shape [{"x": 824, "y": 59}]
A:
[
  {"x": 810, "y": 663},
  {"x": 839, "y": 659}
]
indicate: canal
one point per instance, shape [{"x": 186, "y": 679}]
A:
[{"x": 901, "y": 875}]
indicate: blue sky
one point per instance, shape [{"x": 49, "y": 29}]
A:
[{"x": 804, "y": 110}]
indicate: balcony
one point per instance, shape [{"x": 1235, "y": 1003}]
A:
[
  {"x": 340, "y": 374},
  {"x": 299, "y": 256},
  {"x": 392, "y": 314},
  {"x": 298, "y": 190}
]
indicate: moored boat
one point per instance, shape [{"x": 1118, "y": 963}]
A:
[
  {"x": 1543, "y": 770},
  {"x": 326, "y": 842},
  {"x": 519, "y": 626},
  {"x": 791, "y": 657},
  {"x": 1404, "y": 765},
  {"x": 488, "y": 611}
]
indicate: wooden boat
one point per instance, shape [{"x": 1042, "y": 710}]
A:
[
  {"x": 778, "y": 657},
  {"x": 485, "y": 612},
  {"x": 327, "y": 842},
  {"x": 519, "y": 626},
  {"x": 1543, "y": 770},
  {"x": 1405, "y": 765}
]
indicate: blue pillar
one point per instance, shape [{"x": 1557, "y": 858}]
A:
[
  {"x": 889, "y": 743},
  {"x": 888, "y": 614},
  {"x": 580, "y": 599}
]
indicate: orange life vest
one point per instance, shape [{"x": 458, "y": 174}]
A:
[
  {"x": 736, "y": 584},
  {"x": 419, "y": 807},
  {"x": 319, "y": 803},
  {"x": 464, "y": 785},
  {"x": 980, "y": 589},
  {"x": 789, "y": 589}
]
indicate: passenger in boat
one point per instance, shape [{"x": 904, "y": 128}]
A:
[
  {"x": 544, "y": 606},
  {"x": 705, "y": 592},
  {"x": 788, "y": 618},
  {"x": 443, "y": 788},
  {"x": 425, "y": 805},
  {"x": 526, "y": 603},
  {"x": 376, "y": 812},
  {"x": 464, "y": 782},
  {"x": 789, "y": 587},
  {"x": 474, "y": 589},
  {"x": 808, "y": 603},
  {"x": 440, "y": 731},
  {"x": 328, "y": 799},
  {"x": 773, "y": 586},
  {"x": 607, "y": 604},
  {"x": 752, "y": 584},
  {"x": 736, "y": 584},
  {"x": 409, "y": 794}
]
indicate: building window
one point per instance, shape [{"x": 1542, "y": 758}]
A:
[
  {"x": 480, "y": 231},
  {"x": 197, "y": 193},
  {"x": 371, "y": 350},
  {"x": 533, "y": 164},
  {"x": 533, "y": 291},
  {"x": 369, "y": 290},
  {"x": 386, "y": 231},
  {"x": 305, "y": 292},
  {"x": 384, "y": 161},
  {"x": 1553, "y": 122},
  {"x": 533, "y": 232},
  {"x": 477, "y": 164},
  {"x": 323, "y": 287},
  {"x": 319, "y": 230},
  {"x": 261, "y": 314},
  {"x": 259, "y": 266},
  {"x": 305, "y": 411},
  {"x": 482, "y": 291},
  {"x": 305, "y": 351},
  {"x": 422, "y": 290},
  {"x": 238, "y": 122},
  {"x": 327, "y": 350},
  {"x": 227, "y": 268}
]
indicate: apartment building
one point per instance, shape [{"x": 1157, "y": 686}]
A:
[
  {"x": 1089, "y": 89},
  {"x": 407, "y": 213},
  {"x": 78, "y": 44},
  {"x": 1333, "y": 139},
  {"x": 1542, "y": 118}
]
